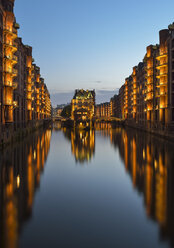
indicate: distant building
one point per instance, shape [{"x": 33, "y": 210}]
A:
[
  {"x": 83, "y": 105},
  {"x": 103, "y": 110},
  {"x": 58, "y": 110}
]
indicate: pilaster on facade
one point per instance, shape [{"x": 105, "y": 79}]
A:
[
  {"x": 33, "y": 80},
  {"x": 151, "y": 84},
  {"x": 141, "y": 94},
  {"x": 126, "y": 99},
  {"x": 134, "y": 94},
  {"x": 47, "y": 105},
  {"x": 121, "y": 99},
  {"x": 171, "y": 74},
  {"x": 130, "y": 97},
  {"x": 28, "y": 82},
  {"x": 1, "y": 68},
  {"x": 42, "y": 98},
  {"x": 37, "y": 95}
]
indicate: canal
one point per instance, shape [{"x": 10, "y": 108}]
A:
[{"x": 98, "y": 189}]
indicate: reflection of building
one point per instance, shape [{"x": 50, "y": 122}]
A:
[
  {"x": 104, "y": 127},
  {"x": 150, "y": 164},
  {"x": 83, "y": 105},
  {"x": 57, "y": 125},
  {"x": 20, "y": 170},
  {"x": 83, "y": 145}
]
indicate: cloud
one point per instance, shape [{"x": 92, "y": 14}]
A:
[{"x": 64, "y": 97}]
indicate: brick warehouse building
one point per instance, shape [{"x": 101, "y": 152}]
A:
[{"x": 24, "y": 97}]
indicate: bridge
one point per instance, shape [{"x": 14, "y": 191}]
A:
[{"x": 108, "y": 119}]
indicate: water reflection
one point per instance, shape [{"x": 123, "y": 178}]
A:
[
  {"x": 147, "y": 159},
  {"x": 21, "y": 166},
  {"x": 82, "y": 144},
  {"x": 57, "y": 126},
  {"x": 104, "y": 128},
  {"x": 150, "y": 162}
]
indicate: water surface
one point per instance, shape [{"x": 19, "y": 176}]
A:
[{"x": 103, "y": 188}]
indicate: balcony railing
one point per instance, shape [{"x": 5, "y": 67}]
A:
[
  {"x": 162, "y": 83},
  {"x": 14, "y": 72},
  {"x": 29, "y": 97},
  {"x": 11, "y": 71},
  {"x": 29, "y": 89},
  {"x": 13, "y": 58},
  {"x": 12, "y": 45},
  {"x": 161, "y": 55},
  {"x": 8, "y": 83},
  {"x": 149, "y": 82},
  {"x": 162, "y": 65},
  {"x": 10, "y": 31},
  {"x": 8, "y": 102},
  {"x": 161, "y": 74},
  {"x": 15, "y": 85},
  {"x": 163, "y": 93},
  {"x": 162, "y": 106},
  {"x": 149, "y": 76}
]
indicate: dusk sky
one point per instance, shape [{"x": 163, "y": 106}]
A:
[{"x": 90, "y": 44}]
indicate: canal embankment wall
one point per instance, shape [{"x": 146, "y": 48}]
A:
[
  {"x": 160, "y": 130},
  {"x": 10, "y": 133}
]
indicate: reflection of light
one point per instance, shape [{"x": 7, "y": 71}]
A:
[
  {"x": 155, "y": 164},
  {"x": 34, "y": 154},
  {"x": 144, "y": 155},
  {"x": 18, "y": 181}
]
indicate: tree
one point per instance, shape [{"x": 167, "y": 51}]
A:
[{"x": 66, "y": 112}]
